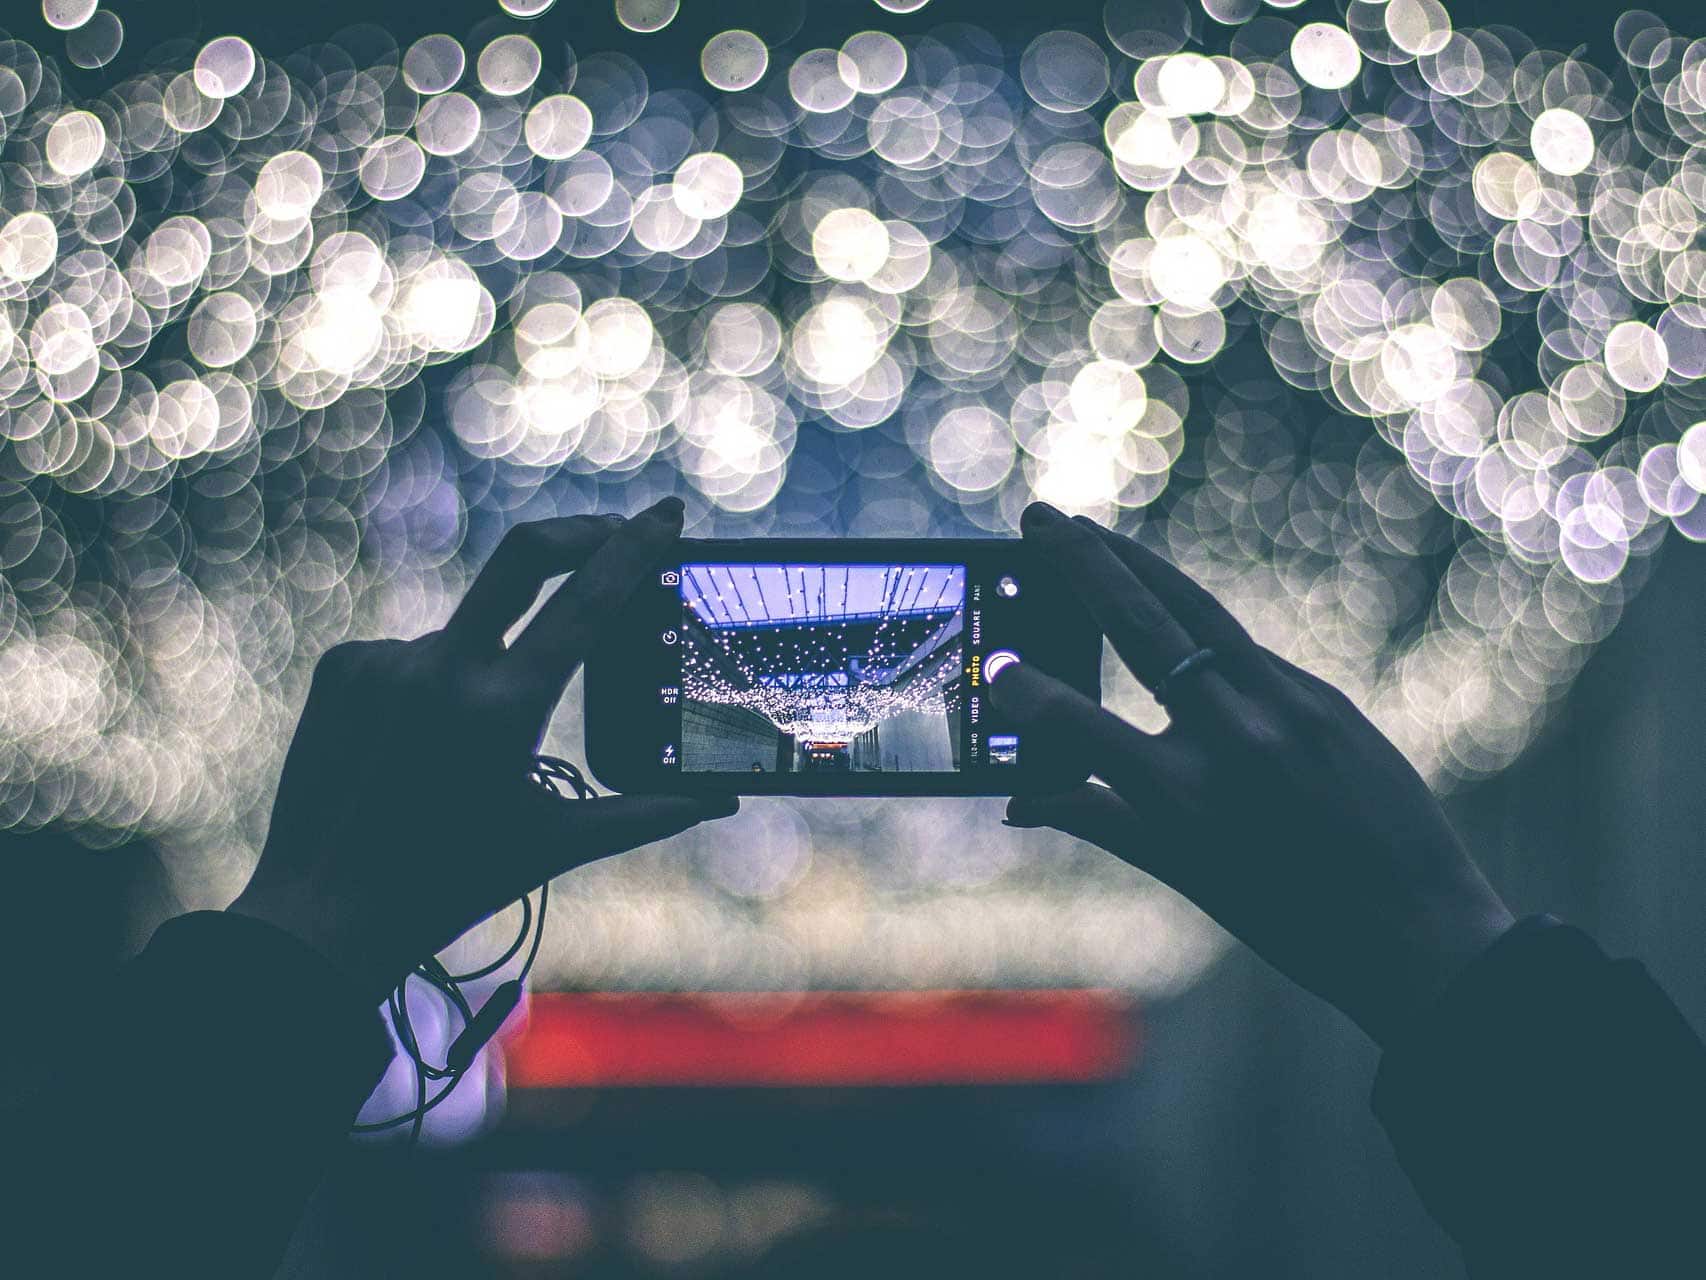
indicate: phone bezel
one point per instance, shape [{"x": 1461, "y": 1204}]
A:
[{"x": 623, "y": 760}]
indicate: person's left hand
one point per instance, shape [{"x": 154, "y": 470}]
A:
[{"x": 405, "y": 814}]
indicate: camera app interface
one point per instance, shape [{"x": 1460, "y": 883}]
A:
[{"x": 831, "y": 668}]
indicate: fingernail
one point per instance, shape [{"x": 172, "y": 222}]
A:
[
  {"x": 1000, "y": 687},
  {"x": 1047, "y": 523},
  {"x": 671, "y": 508}
]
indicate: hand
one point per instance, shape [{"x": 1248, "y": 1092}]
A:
[
  {"x": 405, "y": 814},
  {"x": 1269, "y": 801}
]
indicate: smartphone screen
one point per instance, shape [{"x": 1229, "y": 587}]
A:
[
  {"x": 842, "y": 672},
  {"x": 825, "y": 668}
]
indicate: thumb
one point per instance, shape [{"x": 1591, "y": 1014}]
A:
[
  {"x": 1037, "y": 700},
  {"x": 1097, "y": 815},
  {"x": 1077, "y": 729},
  {"x": 1091, "y": 812}
]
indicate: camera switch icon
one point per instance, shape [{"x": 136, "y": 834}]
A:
[{"x": 669, "y": 578}]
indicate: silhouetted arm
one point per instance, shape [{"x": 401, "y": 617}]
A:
[
  {"x": 1551, "y": 1111},
  {"x": 1546, "y": 1101},
  {"x": 183, "y": 1128},
  {"x": 184, "y": 1133}
]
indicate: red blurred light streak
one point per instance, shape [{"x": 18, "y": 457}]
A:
[{"x": 844, "y": 1038}]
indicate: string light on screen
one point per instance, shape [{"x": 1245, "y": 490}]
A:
[
  {"x": 1389, "y": 331},
  {"x": 824, "y": 714},
  {"x": 824, "y": 652}
]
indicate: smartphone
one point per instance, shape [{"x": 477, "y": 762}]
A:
[{"x": 832, "y": 667}]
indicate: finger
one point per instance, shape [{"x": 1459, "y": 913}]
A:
[
  {"x": 1145, "y": 836},
  {"x": 1147, "y": 637},
  {"x": 1089, "y": 736},
  {"x": 1207, "y": 620},
  {"x": 1092, "y": 812},
  {"x": 528, "y": 555},
  {"x": 1253, "y": 669},
  {"x": 324, "y": 751},
  {"x": 566, "y": 834},
  {"x": 561, "y": 633}
]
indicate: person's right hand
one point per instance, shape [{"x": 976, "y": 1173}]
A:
[{"x": 1269, "y": 801}]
